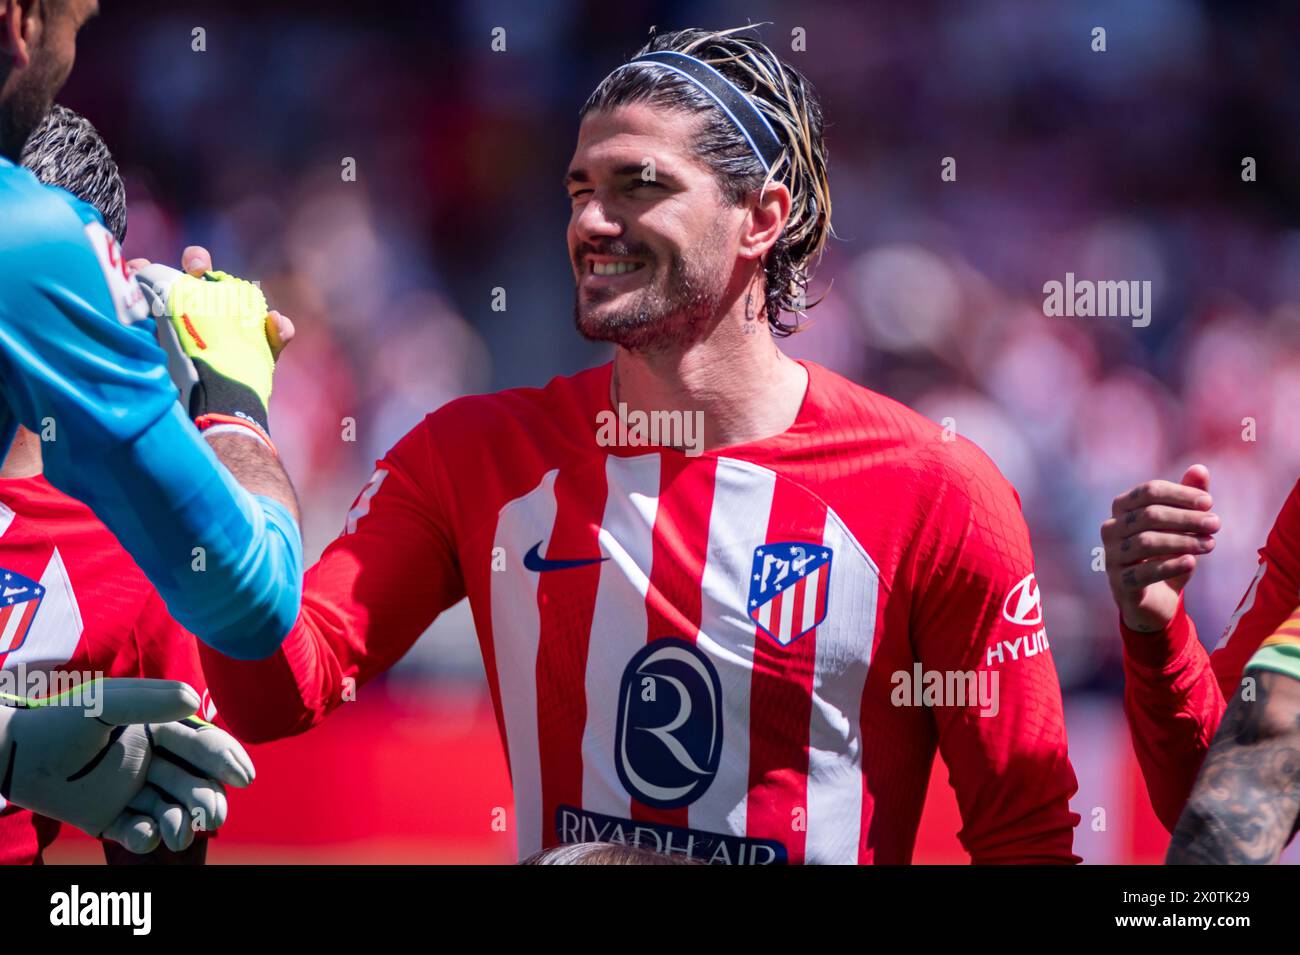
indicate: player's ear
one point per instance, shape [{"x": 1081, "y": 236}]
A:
[
  {"x": 766, "y": 220},
  {"x": 20, "y": 28}
]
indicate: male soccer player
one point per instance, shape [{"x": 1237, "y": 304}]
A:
[
  {"x": 744, "y": 655},
  {"x": 1174, "y": 692},
  {"x": 73, "y": 601},
  {"x": 1246, "y": 801},
  {"x": 66, "y": 151},
  {"x": 79, "y": 363}
]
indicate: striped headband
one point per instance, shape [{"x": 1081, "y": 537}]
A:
[{"x": 737, "y": 107}]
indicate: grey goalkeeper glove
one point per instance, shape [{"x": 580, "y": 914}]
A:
[{"x": 120, "y": 759}]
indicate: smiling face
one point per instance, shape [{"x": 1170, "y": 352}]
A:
[{"x": 652, "y": 255}]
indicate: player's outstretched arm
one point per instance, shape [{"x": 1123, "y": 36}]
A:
[
  {"x": 374, "y": 591},
  {"x": 1244, "y": 805},
  {"x": 222, "y": 341},
  {"x": 1153, "y": 539},
  {"x": 1173, "y": 691},
  {"x": 80, "y": 365},
  {"x": 377, "y": 588}
]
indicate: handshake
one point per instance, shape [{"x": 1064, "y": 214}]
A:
[
  {"x": 124, "y": 760},
  {"x": 220, "y": 338}
]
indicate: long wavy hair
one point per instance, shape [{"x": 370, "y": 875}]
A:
[{"x": 790, "y": 104}]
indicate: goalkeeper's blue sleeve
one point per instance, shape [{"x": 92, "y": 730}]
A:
[{"x": 81, "y": 367}]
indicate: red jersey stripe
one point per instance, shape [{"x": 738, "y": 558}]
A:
[
  {"x": 781, "y": 692},
  {"x": 681, "y": 543},
  {"x": 566, "y": 601}
]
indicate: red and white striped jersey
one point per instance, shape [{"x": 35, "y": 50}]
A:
[
  {"x": 74, "y": 606},
  {"x": 747, "y": 656}
]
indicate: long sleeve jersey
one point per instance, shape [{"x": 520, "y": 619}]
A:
[
  {"x": 748, "y": 655},
  {"x": 1174, "y": 692}
]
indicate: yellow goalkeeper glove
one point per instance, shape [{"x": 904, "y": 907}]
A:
[{"x": 214, "y": 331}]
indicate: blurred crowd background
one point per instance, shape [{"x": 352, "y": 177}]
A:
[{"x": 1120, "y": 165}]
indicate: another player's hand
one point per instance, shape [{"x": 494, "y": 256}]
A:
[
  {"x": 196, "y": 260},
  {"x": 106, "y": 757},
  {"x": 192, "y": 763},
  {"x": 1152, "y": 540},
  {"x": 217, "y": 332}
]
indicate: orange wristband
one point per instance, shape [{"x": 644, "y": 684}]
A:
[{"x": 210, "y": 423}]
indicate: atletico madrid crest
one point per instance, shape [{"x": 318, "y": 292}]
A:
[
  {"x": 20, "y": 598},
  {"x": 788, "y": 589}
]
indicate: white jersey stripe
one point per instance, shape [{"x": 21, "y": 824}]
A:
[
  {"x": 811, "y": 586},
  {"x": 618, "y": 625},
  {"x": 788, "y": 599},
  {"x": 12, "y": 617},
  {"x": 742, "y": 503},
  {"x": 835, "y": 732},
  {"x": 514, "y": 614}
]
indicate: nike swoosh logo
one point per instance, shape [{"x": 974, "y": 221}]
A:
[{"x": 534, "y": 561}]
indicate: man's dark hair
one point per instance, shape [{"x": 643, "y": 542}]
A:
[
  {"x": 66, "y": 150},
  {"x": 604, "y": 853},
  {"x": 791, "y": 106}
]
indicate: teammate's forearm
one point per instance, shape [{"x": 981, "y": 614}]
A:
[
  {"x": 1244, "y": 805},
  {"x": 227, "y": 563},
  {"x": 270, "y": 699},
  {"x": 1173, "y": 704},
  {"x": 1160, "y": 650},
  {"x": 256, "y": 468}
]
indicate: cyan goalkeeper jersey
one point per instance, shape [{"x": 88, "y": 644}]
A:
[
  {"x": 748, "y": 656},
  {"x": 80, "y": 366}
]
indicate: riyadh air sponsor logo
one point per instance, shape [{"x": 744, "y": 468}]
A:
[
  {"x": 668, "y": 740},
  {"x": 1023, "y": 605},
  {"x": 575, "y": 825}
]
